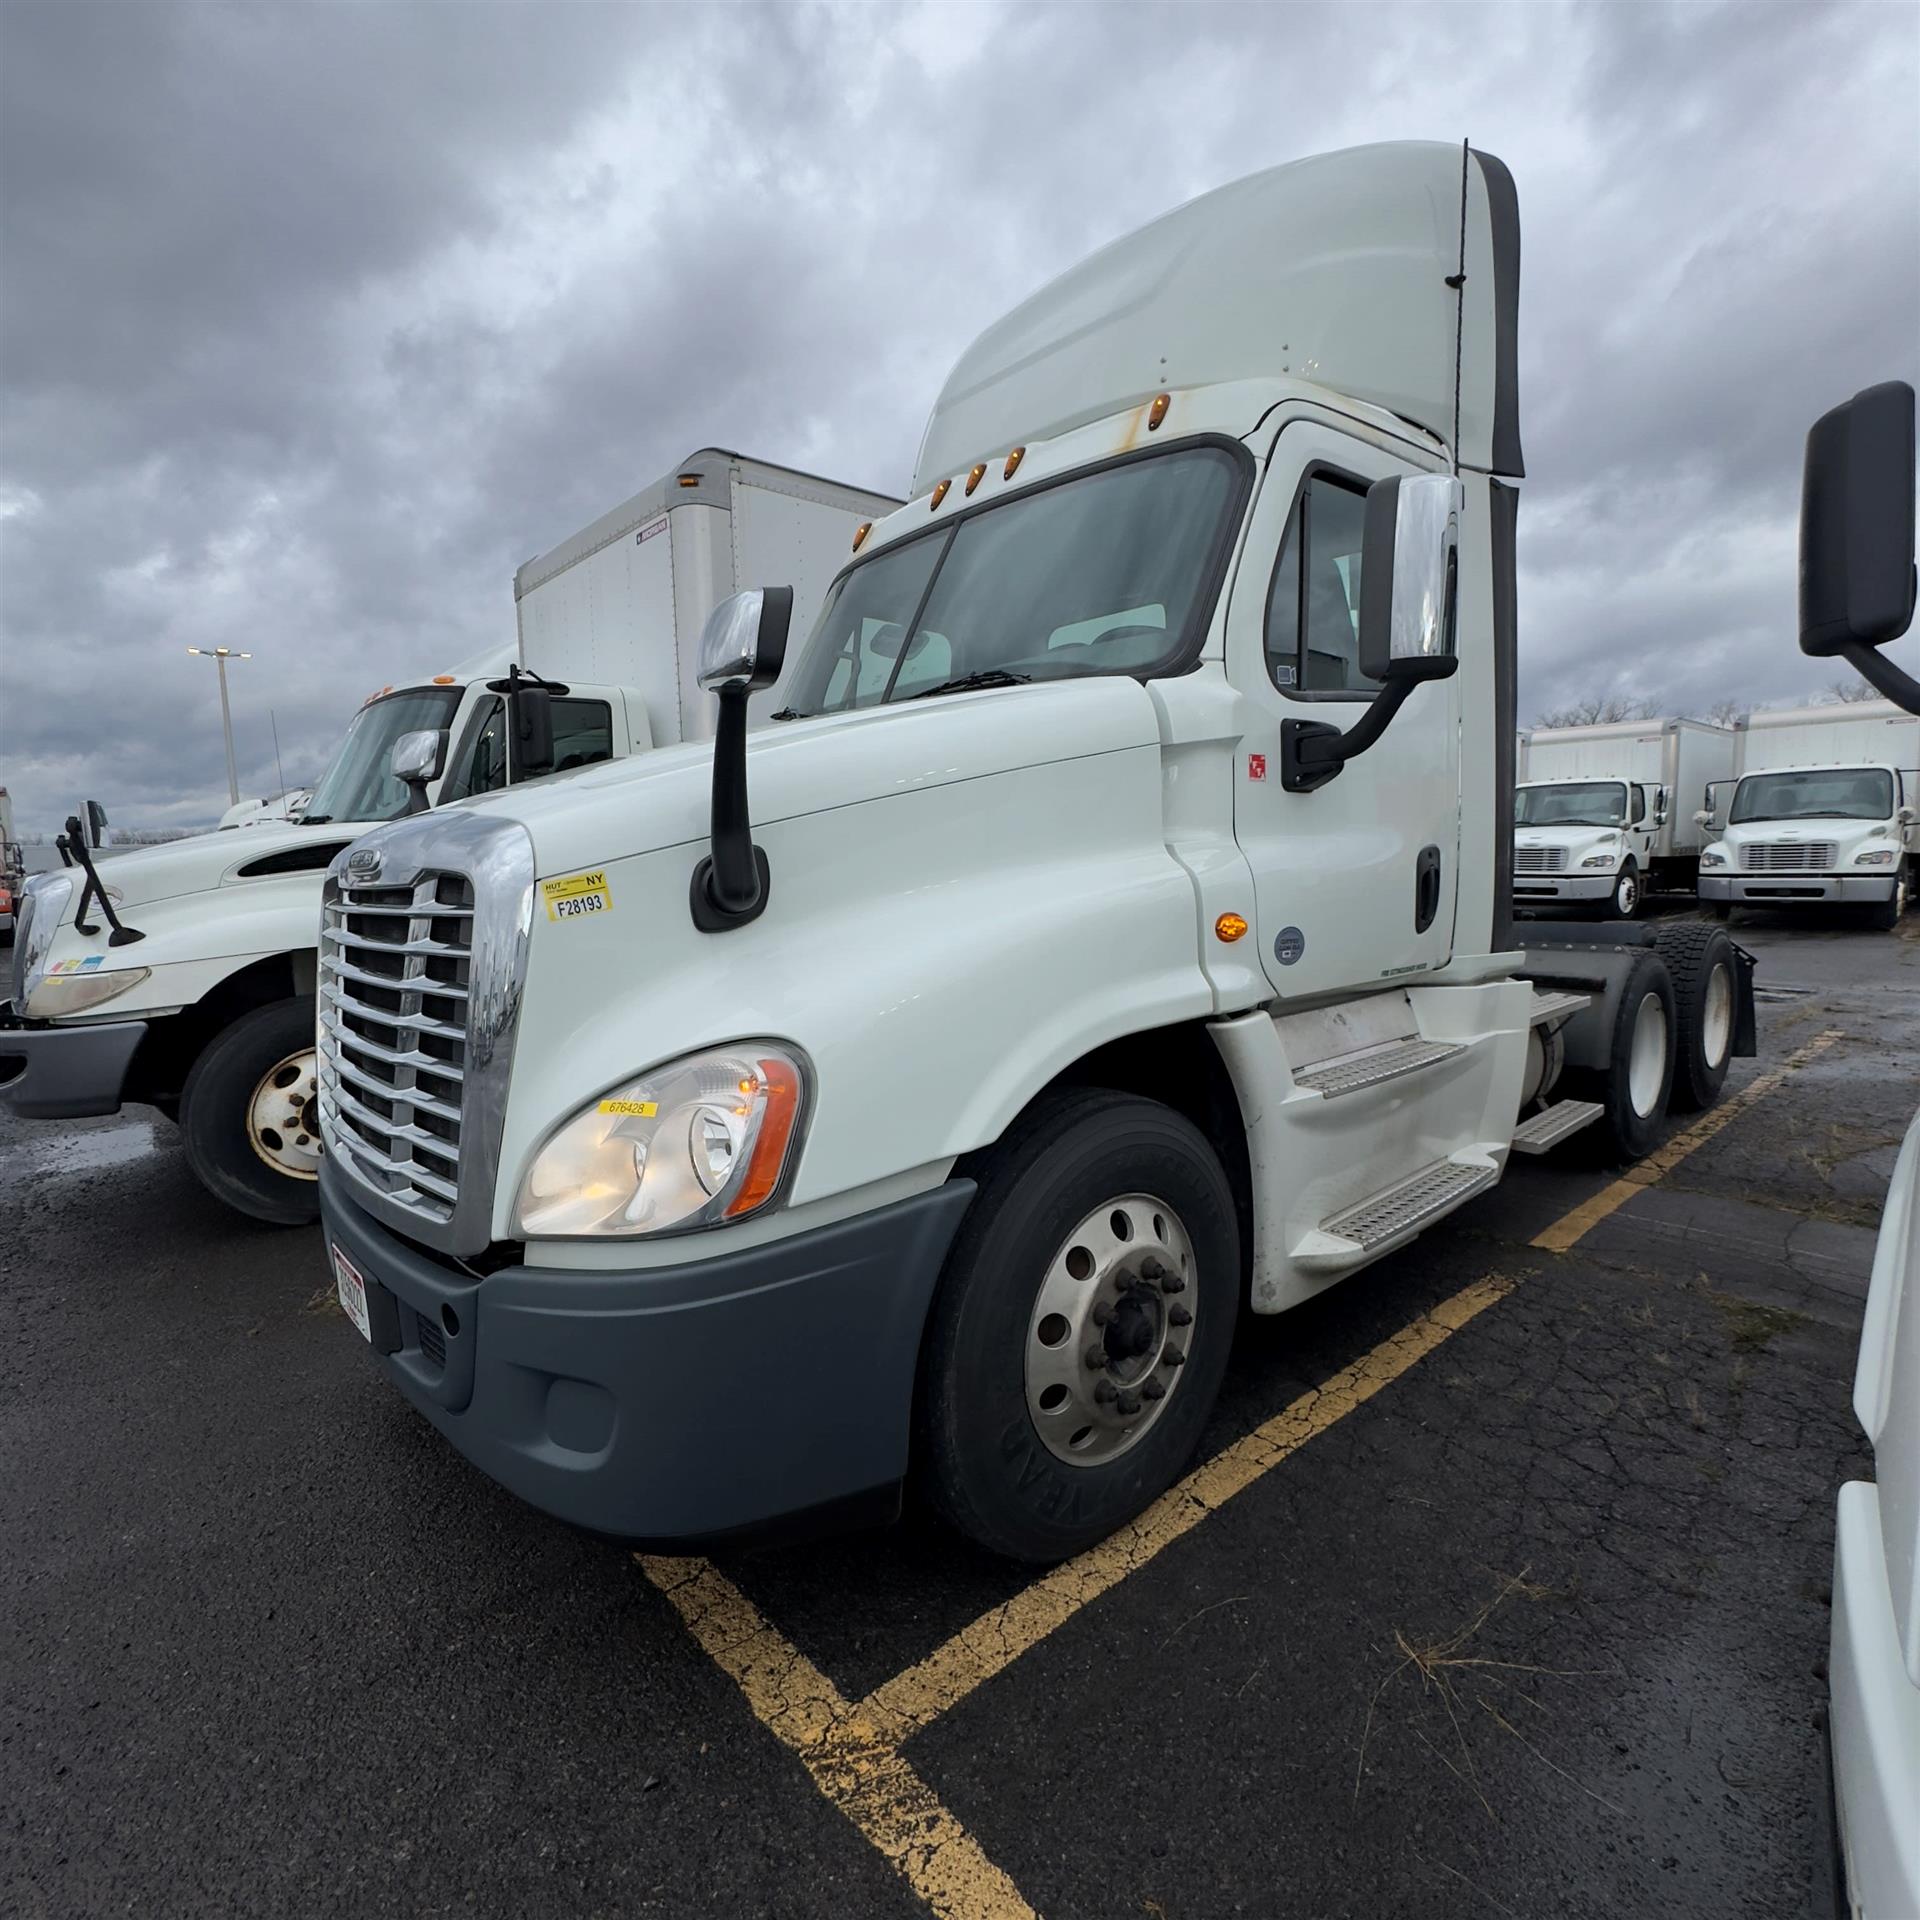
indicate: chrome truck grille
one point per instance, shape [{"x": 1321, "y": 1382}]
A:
[
  {"x": 423, "y": 938},
  {"x": 1789, "y": 856},
  {"x": 1539, "y": 859}
]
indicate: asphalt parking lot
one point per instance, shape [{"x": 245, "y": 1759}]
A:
[{"x": 1505, "y": 1591}]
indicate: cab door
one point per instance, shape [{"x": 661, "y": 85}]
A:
[{"x": 1355, "y": 882}]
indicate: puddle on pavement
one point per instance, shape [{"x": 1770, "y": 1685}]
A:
[{"x": 93, "y": 1149}]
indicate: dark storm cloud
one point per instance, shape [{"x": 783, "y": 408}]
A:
[{"x": 314, "y": 322}]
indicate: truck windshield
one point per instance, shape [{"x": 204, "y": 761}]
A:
[
  {"x": 1108, "y": 573},
  {"x": 357, "y": 786},
  {"x": 1840, "y": 793},
  {"x": 1594, "y": 803}
]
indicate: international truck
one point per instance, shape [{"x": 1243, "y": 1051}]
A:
[
  {"x": 1605, "y": 815},
  {"x": 1112, "y": 930},
  {"x": 1823, "y": 810},
  {"x": 186, "y": 981},
  {"x": 1857, "y": 594}
]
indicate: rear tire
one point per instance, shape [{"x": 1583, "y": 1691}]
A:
[
  {"x": 1634, "y": 1086},
  {"x": 1025, "y": 1442},
  {"x": 1706, "y": 987},
  {"x": 247, "y": 1118}
]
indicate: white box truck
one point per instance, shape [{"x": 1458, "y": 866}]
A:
[
  {"x": 1606, "y": 814},
  {"x": 1823, "y": 809},
  {"x": 191, "y": 989},
  {"x": 1117, "y": 930}
]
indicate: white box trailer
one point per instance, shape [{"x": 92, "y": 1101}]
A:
[
  {"x": 1606, "y": 812},
  {"x": 1823, "y": 808},
  {"x": 599, "y": 604}
]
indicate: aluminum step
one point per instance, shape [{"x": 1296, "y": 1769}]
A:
[
  {"x": 1394, "y": 1214},
  {"x": 1553, "y": 1006},
  {"x": 1349, "y": 1072},
  {"x": 1551, "y": 1125}
]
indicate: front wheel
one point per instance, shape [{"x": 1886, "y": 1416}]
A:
[
  {"x": 1624, "y": 901},
  {"x": 1082, "y": 1326},
  {"x": 1887, "y": 915},
  {"x": 248, "y": 1114}
]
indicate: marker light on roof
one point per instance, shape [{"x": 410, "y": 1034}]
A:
[
  {"x": 860, "y": 533},
  {"x": 939, "y": 494},
  {"x": 689, "y": 479},
  {"x": 975, "y": 477},
  {"x": 1158, "y": 411},
  {"x": 1013, "y": 461}
]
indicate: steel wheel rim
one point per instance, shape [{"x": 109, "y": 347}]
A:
[
  {"x": 1716, "y": 1016},
  {"x": 1627, "y": 893},
  {"x": 1111, "y": 1327},
  {"x": 1647, "y": 1056},
  {"x": 283, "y": 1119}
]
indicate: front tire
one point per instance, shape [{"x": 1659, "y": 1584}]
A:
[
  {"x": 1885, "y": 917},
  {"x": 1624, "y": 901},
  {"x": 247, "y": 1114},
  {"x": 1082, "y": 1326}
]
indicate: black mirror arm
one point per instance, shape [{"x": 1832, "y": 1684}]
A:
[
  {"x": 73, "y": 849},
  {"x": 730, "y": 886},
  {"x": 1311, "y": 752},
  {"x": 1882, "y": 674},
  {"x": 416, "y": 798}
]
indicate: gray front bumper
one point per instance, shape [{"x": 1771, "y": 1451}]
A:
[
  {"x": 65, "y": 1073},
  {"x": 1543, "y": 889},
  {"x": 672, "y": 1405},
  {"x": 1794, "y": 889}
]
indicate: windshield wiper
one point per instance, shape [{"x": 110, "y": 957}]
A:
[
  {"x": 967, "y": 682},
  {"x": 314, "y": 819}
]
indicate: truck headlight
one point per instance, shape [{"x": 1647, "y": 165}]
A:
[
  {"x": 1876, "y": 856},
  {"x": 1713, "y": 859},
  {"x": 1602, "y": 859},
  {"x": 61, "y": 994},
  {"x": 699, "y": 1142}
]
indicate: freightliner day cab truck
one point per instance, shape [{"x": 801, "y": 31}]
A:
[
  {"x": 1857, "y": 594},
  {"x": 1823, "y": 809},
  {"x": 190, "y": 987},
  {"x": 1605, "y": 814},
  {"x": 1114, "y": 931}
]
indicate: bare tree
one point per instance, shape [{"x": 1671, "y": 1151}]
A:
[
  {"x": 1844, "y": 693},
  {"x": 1723, "y": 713},
  {"x": 1597, "y": 710}
]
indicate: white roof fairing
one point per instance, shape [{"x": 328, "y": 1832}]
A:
[{"x": 1331, "y": 270}]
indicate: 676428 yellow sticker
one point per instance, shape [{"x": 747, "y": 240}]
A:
[{"x": 576, "y": 895}]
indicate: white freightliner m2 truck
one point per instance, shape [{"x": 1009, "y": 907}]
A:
[
  {"x": 1857, "y": 594},
  {"x": 190, "y": 985},
  {"x": 1115, "y": 930},
  {"x": 1605, "y": 814},
  {"x": 1823, "y": 808}
]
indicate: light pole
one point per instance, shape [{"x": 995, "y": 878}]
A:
[{"x": 220, "y": 656}]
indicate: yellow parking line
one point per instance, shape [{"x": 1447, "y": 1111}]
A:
[
  {"x": 912, "y": 1699},
  {"x": 852, "y": 1762},
  {"x": 1573, "y": 1226}
]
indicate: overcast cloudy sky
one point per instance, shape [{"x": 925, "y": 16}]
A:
[{"x": 315, "y": 321}]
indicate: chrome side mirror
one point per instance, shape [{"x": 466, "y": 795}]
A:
[
  {"x": 416, "y": 761},
  {"x": 1702, "y": 818},
  {"x": 1409, "y": 578},
  {"x": 744, "y": 643},
  {"x": 1661, "y": 800}
]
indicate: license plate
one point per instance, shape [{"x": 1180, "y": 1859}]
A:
[{"x": 353, "y": 1293}]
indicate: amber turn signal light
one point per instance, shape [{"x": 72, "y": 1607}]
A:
[{"x": 1229, "y": 927}]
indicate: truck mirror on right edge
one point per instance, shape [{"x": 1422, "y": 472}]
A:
[
  {"x": 1857, "y": 576},
  {"x": 1409, "y": 585}
]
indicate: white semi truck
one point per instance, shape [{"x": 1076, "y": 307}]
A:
[
  {"x": 1605, "y": 814},
  {"x": 1857, "y": 595},
  {"x": 1823, "y": 808},
  {"x": 187, "y": 982},
  {"x": 1115, "y": 931}
]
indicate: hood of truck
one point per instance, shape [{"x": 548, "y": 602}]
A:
[
  {"x": 1578, "y": 841},
  {"x": 665, "y": 798},
  {"x": 208, "y": 861},
  {"x": 1846, "y": 835}
]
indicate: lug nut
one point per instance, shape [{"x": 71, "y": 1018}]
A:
[
  {"x": 1105, "y": 1392},
  {"x": 1096, "y": 1358},
  {"x": 1179, "y": 1317},
  {"x": 1174, "y": 1283},
  {"x": 1153, "y": 1390},
  {"x": 1151, "y": 1269},
  {"x": 1128, "y": 1403},
  {"x": 1173, "y": 1357},
  {"x": 1102, "y": 1313}
]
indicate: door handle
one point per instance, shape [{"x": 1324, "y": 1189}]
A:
[{"x": 1426, "y": 888}]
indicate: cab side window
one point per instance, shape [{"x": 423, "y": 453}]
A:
[
  {"x": 480, "y": 761},
  {"x": 582, "y": 733},
  {"x": 1637, "y": 802},
  {"x": 1313, "y": 605}
]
